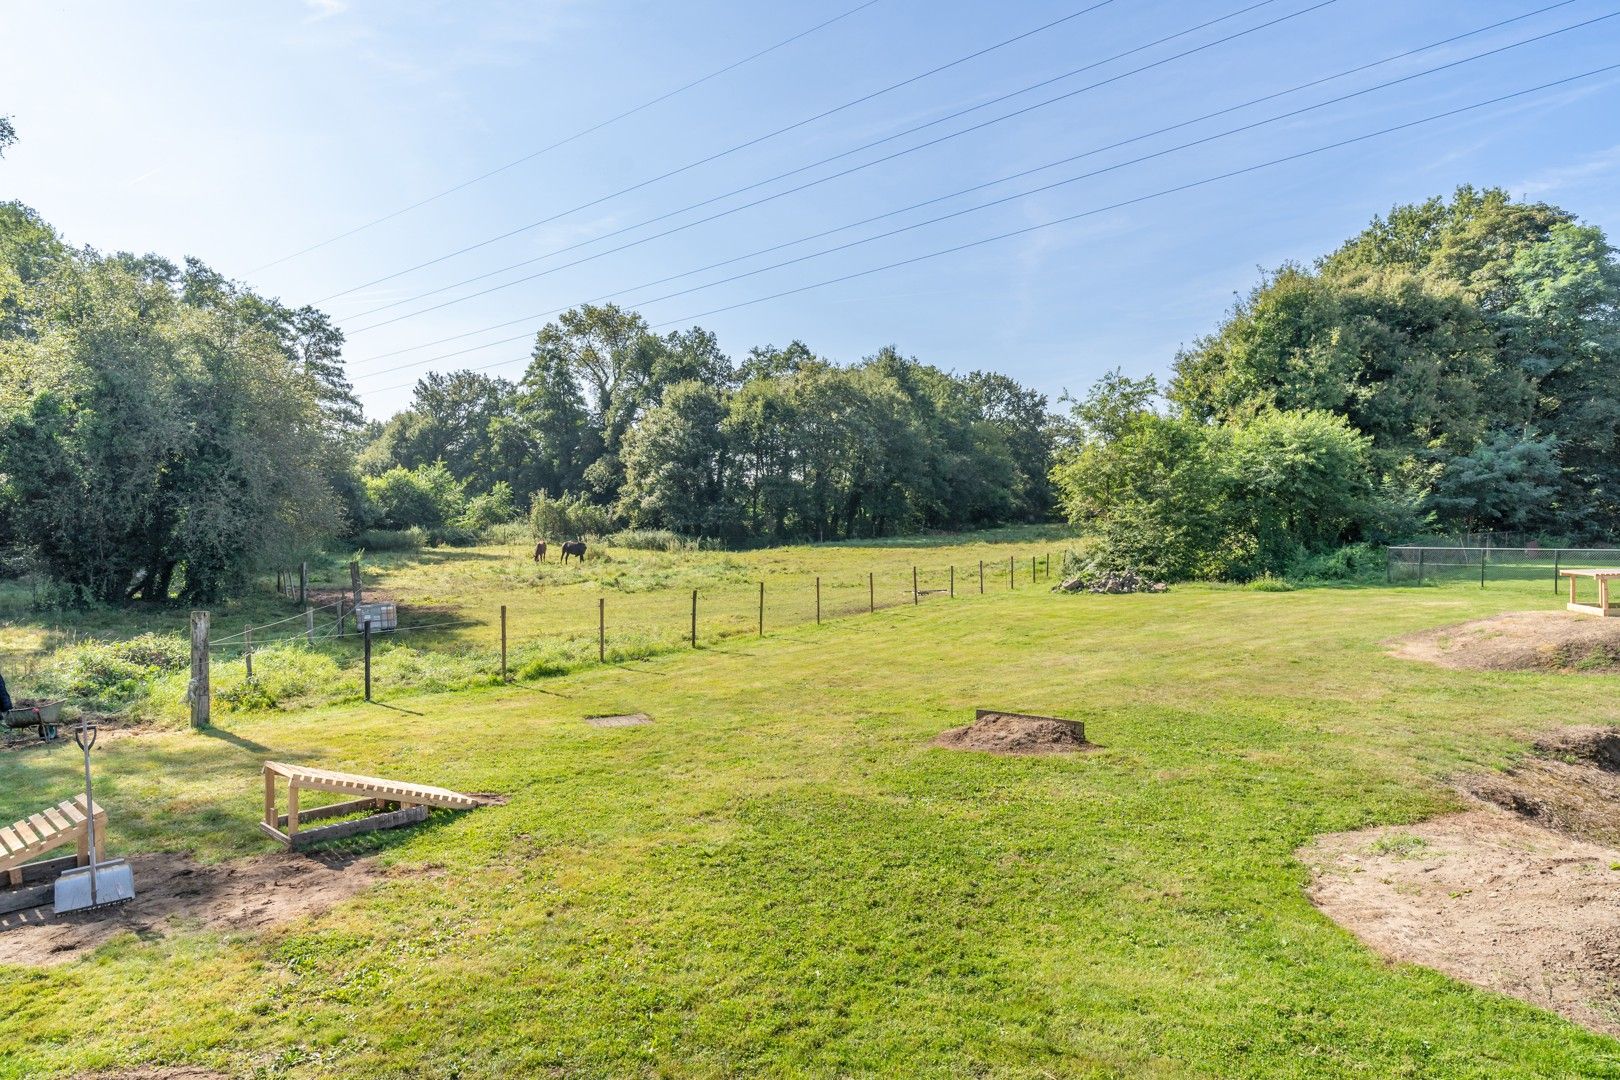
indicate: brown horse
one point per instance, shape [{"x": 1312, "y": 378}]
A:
[
  {"x": 540, "y": 552},
  {"x": 573, "y": 547}
]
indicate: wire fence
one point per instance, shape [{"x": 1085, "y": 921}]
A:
[
  {"x": 570, "y": 626},
  {"x": 1423, "y": 564}
]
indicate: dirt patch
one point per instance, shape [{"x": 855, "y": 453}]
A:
[
  {"x": 1570, "y": 784},
  {"x": 1017, "y": 733},
  {"x": 157, "y": 1072},
  {"x": 1488, "y": 898},
  {"x": 175, "y": 892},
  {"x": 620, "y": 720},
  {"x": 1556, "y": 641}
]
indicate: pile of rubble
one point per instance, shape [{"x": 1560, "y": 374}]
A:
[{"x": 1112, "y": 581}]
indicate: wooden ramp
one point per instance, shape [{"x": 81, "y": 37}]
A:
[
  {"x": 387, "y": 803},
  {"x": 23, "y": 842}
]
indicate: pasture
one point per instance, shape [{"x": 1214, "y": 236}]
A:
[{"x": 780, "y": 874}]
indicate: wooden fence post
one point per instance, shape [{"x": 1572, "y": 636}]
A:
[
  {"x": 871, "y": 594},
  {"x": 503, "y": 643},
  {"x": 981, "y": 577},
  {"x": 694, "y": 618},
  {"x": 247, "y": 649},
  {"x": 199, "y": 694},
  {"x": 1048, "y": 575},
  {"x": 1032, "y": 578},
  {"x": 340, "y": 627},
  {"x": 365, "y": 630},
  {"x": 309, "y": 625},
  {"x": 303, "y": 583},
  {"x": 818, "y": 601},
  {"x": 914, "y": 600},
  {"x": 953, "y": 581},
  {"x": 762, "y": 609},
  {"x": 601, "y": 629},
  {"x": 1011, "y": 570},
  {"x": 354, "y": 582}
]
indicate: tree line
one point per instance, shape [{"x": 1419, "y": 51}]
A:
[
  {"x": 167, "y": 433},
  {"x": 1455, "y": 366}
]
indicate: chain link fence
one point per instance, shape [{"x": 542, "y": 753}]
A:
[{"x": 1423, "y": 564}]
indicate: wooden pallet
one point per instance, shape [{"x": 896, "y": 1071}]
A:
[
  {"x": 386, "y": 803},
  {"x": 31, "y": 880}
]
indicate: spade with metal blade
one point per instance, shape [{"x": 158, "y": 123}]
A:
[{"x": 101, "y": 884}]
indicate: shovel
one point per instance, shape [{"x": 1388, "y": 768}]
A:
[{"x": 101, "y": 884}]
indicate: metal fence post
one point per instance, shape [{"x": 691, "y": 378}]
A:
[
  {"x": 365, "y": 631},
  {"x": 601, "y": 629},
  {"x": 1556, "y": 559},
  {"x": 1421, "y": 553},
  {"x": 1482, "y": 553}
]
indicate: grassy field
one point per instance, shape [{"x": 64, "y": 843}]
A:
[
  {"x": 450, "y": 601},
  {"x": 781, "y": 876}
]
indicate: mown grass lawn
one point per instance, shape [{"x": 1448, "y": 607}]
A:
[{"x": 780, "y": 876}]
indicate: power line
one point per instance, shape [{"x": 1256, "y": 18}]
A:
[
  {"x": 1025, "y": 194},
  {"x": 715, "y": 74},
  {"x": 1067, "y": 219},
  {"x": 840, "y": 156},
  {"x": 729, "y": 150}
]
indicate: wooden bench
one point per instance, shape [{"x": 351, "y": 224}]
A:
[
  {"x": 1602, "y": 578},
  {"x": 22, "y": 843},
  {"x": 387, "y": 803}
]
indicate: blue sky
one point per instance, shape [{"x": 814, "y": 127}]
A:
[{"x": 243, "y": 132}]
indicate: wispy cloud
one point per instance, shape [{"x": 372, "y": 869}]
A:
[
  {"x": 1592, "y": 167},
  {"x": 325, "y": 9}
]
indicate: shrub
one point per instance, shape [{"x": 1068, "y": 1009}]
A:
[
  {"x": 1269, "y": 583},
  {"x": 509, "y": 532},
  {"x": 493, "y": 507},
  {"x": 657, "y": 540},
  {"x": 1353, "y": 562},
  {"x": 568, "y": 517},
  {"x": 410, "y": 539},
  {"x": 110, "y": 676},
  {"x": 427, "y": 497}
]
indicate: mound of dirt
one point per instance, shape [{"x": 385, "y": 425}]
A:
[
  {"x": 174, "y": 891},
  {"x": 1485, "y": 897},
  {"x": 1017, "y": 733},
  {"x": 1571, "y": 784},
  {"x": 1559, "y": 641}
]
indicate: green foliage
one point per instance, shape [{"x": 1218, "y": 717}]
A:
[
  {"x": 569, "y": 517},
  {"x": 656, "y": 540},
  {"x": 1475, "y": 342},
  {"x": 1359, "y": 562},
  {"x": 1269, "y": 582},
  {"x": 427, "y": 497},
  {"x": 494, "y": 507},
  {"x": 412, "y": 539},
  {"x": 162, "y": 430},
  {"x": 112, "y": 676}
]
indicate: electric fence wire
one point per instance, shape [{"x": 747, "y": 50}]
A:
[
  {"x": 850, "y": 152},
  {"x": 1136, "y": 200},
  {"x": 592, "y": 129},
  {"x": 738, "y": 147},
  {"x": 991, "y": 183}
]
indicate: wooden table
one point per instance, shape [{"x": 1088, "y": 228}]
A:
[{"x": 1602, "y": 577}]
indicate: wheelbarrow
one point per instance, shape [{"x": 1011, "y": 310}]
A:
[{"x": 42, "y": 716}]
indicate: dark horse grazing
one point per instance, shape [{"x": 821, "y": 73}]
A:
[
  {"x": 540, "y": 552},
  {"x": 573, "y": 547}
]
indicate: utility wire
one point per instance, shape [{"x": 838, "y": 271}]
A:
[
  {"x": 840, "y": 156},
  {"x": 565, "y": 141},
  {"x": 729, "y": 150},
  {"x": 1018, "y": 175},
  {"x": 1067, "y": 219}
]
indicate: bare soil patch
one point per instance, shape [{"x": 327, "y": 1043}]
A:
[
  {"x": 1487, "y": 898},
  {"x": 158, "y": 1072},
  {"x": 175, "y": 893},
  {"x": 1571, "y": 784},
  {"x": 1017, "y": 733},
  {"x": 1553, "y": 641},
  {"x": 619, "y": 720}
]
